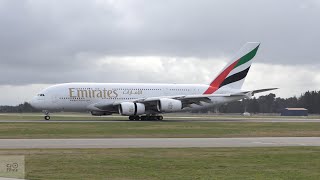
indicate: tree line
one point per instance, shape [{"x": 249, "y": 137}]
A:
[
  {"x": 21, "y": 108},
  {"x": 272, "y": 104},
  {"x": 263, "y": 104}
]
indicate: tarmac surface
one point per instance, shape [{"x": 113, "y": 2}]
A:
[
  {"x": 174, "y": 119},
  {"x": 159, "y": 142},
  {"x": 167, "y": 118},
  {"x": 168, "y": 121}
]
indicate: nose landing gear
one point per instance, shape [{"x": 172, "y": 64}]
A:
[{"x": 46, "y": 115}]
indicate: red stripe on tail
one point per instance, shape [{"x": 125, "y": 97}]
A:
[{"x": 222, "y": 76}]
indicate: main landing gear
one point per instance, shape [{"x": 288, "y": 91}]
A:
[
  {"x": 46, "y": 115},
  {"x": 145, "y": 118}
]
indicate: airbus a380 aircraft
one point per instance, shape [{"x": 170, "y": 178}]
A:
[{"x": 148, "y": 101}]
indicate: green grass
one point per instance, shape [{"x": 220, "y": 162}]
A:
[
  {"x": 157, "y": 129},
  {"x": 172, "y": 116},
  {"x": 185, "y": 163}
]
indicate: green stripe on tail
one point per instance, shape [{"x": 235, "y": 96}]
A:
[{"x": 247, "y": 57}]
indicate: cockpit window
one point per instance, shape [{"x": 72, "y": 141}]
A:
[{"x": 40, "y": 94}]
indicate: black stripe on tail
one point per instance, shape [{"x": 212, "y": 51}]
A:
[{"x": 235, "y": 77}]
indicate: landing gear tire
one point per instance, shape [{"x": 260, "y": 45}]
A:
[
  {"x": 151, "y": 118},
  {"x": 46, "y": 115},
  {"x": 134, "y": 118}
]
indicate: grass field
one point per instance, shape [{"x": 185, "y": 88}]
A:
[
  {"x": 185, "y": 163},
  {"x": 172, "y": 116},
  {"x": 160, "y": 163},
  {"x": 157, "y": 129}
]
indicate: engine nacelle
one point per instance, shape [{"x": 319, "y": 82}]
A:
[
  {"x": 169, "y": 105},
  {"x": 131, "y": 109},
  {"x": 100, "y": 113}
]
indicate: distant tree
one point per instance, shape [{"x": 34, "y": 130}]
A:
[
  {"x": 272, "y": 104},
  {"x": 21, "y": 108},
  {"x": 253, "y": 105}
]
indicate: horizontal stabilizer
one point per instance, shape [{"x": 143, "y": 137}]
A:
[{"x": 262, "y": 90}]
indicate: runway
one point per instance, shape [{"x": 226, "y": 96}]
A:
[
  {"x": 159, "y": 142},
  {"x": 168, "y": 120},
  {"x": 84, "y": 118}
]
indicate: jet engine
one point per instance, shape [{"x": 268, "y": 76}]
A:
[
  {"x": 169, "y": 105},
  {"x": 131, "y": 109}
]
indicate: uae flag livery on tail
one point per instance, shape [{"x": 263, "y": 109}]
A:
[{"x": 233, "y": 75}]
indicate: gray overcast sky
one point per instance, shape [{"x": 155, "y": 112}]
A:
[{"x": 43, "y": 42}]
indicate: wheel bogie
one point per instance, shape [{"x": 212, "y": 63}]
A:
[
  {"x": 134, "y": 118},
  {"x": 146, "y": 118}
]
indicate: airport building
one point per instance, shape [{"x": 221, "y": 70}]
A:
[{"x": 294, "y": 112}]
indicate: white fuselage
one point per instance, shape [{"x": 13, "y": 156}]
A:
[{"x": 82, "y": 96}]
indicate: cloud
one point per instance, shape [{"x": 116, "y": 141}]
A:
[
  {"x": 14, "y": 95},
  {"x": 292, "y": 80},
  {"x": 47, "y": 42},
  {"x": 155, "y": 69}
]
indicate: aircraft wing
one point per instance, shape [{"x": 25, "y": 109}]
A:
[
  {"x": 186, "y": 100},
  {"x": 197, "y": 99}
]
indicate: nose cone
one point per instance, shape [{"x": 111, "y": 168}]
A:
[{"x": 35, "y": 103}]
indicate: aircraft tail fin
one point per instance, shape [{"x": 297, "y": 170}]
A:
[{"x": 234, "y": 73}]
